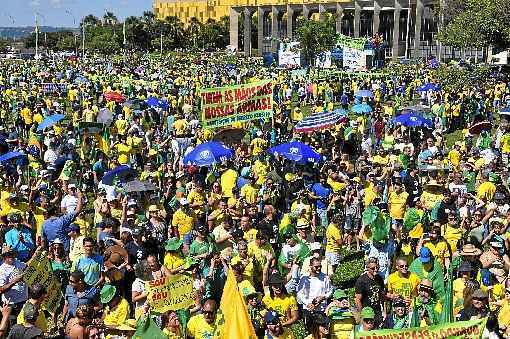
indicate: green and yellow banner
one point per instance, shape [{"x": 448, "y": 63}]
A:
[
  {"x": 472, "y": 329},
  {"x": 349, "y": 42},
  {"x": 223, "y": 106},
  {"x": 170, "y": 293}
]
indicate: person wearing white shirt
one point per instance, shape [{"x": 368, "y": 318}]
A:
[
  {"x": 69, "y": 201},
  {"x": 314, "y": 290},
  {"x": 12, "y": 287}
]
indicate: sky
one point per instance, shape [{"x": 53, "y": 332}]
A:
[{"x": 65, "y": 13}]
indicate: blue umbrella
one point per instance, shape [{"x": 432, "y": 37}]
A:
[
  {"x": 413, "y": 120},
  {"x": 361, "y": 108},
  {"x": 123, "y": 173},
  {"x": 296, "y": 151},
  {"x": 364, "y": 93},
  {"x": 50, "y": 121},
  {"x": 208, "y": 153},
  {"x": 10, "y": 155},
  {"x": 429, "y": 87}
]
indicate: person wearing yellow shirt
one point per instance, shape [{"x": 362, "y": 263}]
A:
[
  {"x": 258, "y": 144},
  {"x": 116, "y": 308},
  {"x": 184, "y": 218},
  {"x": 403, "y": 284},
  {"x": 173, "y": 260},
  {"x": 486, "y": 190},
  {"x": 249, "y": 193},
  {"x": 397, "y": 202},
  {"x": 334, "y": 241},
  {"x": 228, "y": 181},
  {"x": 36, "y": 295},
  {"x": 453, "y": 231},
  {"x": 275, "y": 328},
  {"x": 197, "y": 199},
  {"x": 432, "y": 194},
  {"x": 206, "y": 324},
  {"x": 276, "y": 298},
  {"x": 454, "y": 156},
  {"x": 505, "y": 146},
  {"x": 504, "y": 313},
  {"x": 437, "y": 245},
  {"x": 180, "y": 126},
  {"x": 465, "y": 280}
]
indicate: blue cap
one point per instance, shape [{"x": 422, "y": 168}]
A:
[
  {"x": 425, "y": 255},
  {"x": 73, "y": 227},
  {"x": 271, "y": 317}
]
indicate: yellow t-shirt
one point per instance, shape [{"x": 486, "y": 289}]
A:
[
  {"x": 249, "y": 193},
  {"x": 487, "y": 190},
  {"x": 180, "y": 126},
  {"x": 439, "y": 251},
  {"x": 454, "y": 158},
  {"x": 333, "y": 234},
  {"x": 398, "y": 203},
  {"x": 183, "y": 222},
  {"x": 452, "y": 236},
  {"x": 258, "y": 145},
  {"x": 198, "y": 328},
  {"x": 228, "y": 182},
  {"x": 41, "y": 322},
  {"x": 429, "y": 199},
  {"x": 117, "y": 316},
  {"x": 504, "y": 314},
  {"x": 505, "y": 143},
  {"x": 404, "y": 287},
  {"x": 195, "y": 197},
  {"x": 281, "y": 305}
]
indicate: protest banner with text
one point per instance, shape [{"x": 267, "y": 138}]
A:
[
  {"x": 38, "y": 270},
  {"x": 170, "y": 293},
  {"x": 223, "y": 106},
  {"x": 472, "y": 329}
]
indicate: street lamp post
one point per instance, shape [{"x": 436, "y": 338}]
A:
[{"x": 74, "y": 33}]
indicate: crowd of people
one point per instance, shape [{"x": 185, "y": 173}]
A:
[{"x": 428, "y": 216}]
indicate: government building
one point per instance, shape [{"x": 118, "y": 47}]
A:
[{"x": 409, "y": 27}]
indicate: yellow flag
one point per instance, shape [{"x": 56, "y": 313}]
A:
[{"x": 237, "y": 323}]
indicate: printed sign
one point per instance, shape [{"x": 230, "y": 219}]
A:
[
  {"x": 354, "y": 58},
  {"x": 38, "y": 270},
  {"x": 472, "y": 329},
  {"x": 224, "y": 106},
  {"x": 170, "y": 293}
]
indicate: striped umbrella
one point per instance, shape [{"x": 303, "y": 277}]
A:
[{"x": 320, "y": 121}]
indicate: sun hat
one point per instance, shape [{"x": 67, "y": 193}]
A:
[
  {"x": 399, "y": 302},
  {"x": 315, "y": 246},
  {"x": 107, "y": 293},
  {"x": 173, "y": 244},
  {"x": 153, "y": 208},
  {"x": 496, "y": 220},
  {"x": 470, "y": 249},
  {"x": 302, "y": 224},
  {"x": 338, "y": 314},
  {"x": 340, "y": 294},
  {"x": 367, "y": 313},
  {"x": 425, "y": 255},
  {"x": 496, "y": 244}
]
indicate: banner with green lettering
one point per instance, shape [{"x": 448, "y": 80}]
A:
[
  {"x": 472, "y": 329},
  {"x": 223, "y": 106},
  {"x": 349, "y": 42}
]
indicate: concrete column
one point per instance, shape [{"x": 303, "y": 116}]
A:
[
  {"x": 234, "y": 28},
  {"x": 306, "y": 12},
  {"x": 290, "y": 21},
  {"x": 247, "y": 31},
  {"x": 376, "y": 19},
  {"x": 417, "y": 28},
  {"x": 338, "y": 19},
  {"x": 260, "y": 29},
  {"x": 322, "y": 12},
  {"x": 275, "y": 34},
  {"x": 396, "y": 30},
  {"x": 357, "y": 13}
]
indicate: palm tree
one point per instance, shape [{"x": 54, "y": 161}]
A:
[{"x": 175, "y": 29}]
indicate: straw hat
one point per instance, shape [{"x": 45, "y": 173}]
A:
[{"x": 470, "y": 249}]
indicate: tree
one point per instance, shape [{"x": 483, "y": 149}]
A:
[
  {"x": 4, "y": 44},
  {"x": 90, "y": 20},
  {"x": 109, "y": 19},
  {"x": 316, "y": 37},
  {"x": 476, "y": 23}
]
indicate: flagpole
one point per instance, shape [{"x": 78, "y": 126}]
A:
[
  {"x": 125, "y": 41},
  {"x": 36, "y": 37}
]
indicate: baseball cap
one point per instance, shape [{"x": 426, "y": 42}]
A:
[
  {"x": 367, "y": 313},
  {"x": 339, "y": 294},
  {"x": 425, "y": 255},
  {"x": 183, "y": 201}
]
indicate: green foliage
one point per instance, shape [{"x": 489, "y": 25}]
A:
[
  {"x": 144, "y": 33},
  {"x": 316, "y": 37},
  {"x": 456, "y": 78},
  {"x": 4, "y": 43},
  {"x": 352, "y": 265},
  {"x": 476, "y": 23}
]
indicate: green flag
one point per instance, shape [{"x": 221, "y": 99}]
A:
[{"x": 147, "y": 328}]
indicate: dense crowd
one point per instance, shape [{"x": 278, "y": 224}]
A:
[{"x": 424, "y": 208}]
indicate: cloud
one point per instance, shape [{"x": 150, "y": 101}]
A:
[
  {"x": 56, "y": 3},
  {"x": 35, "y": 3}
]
